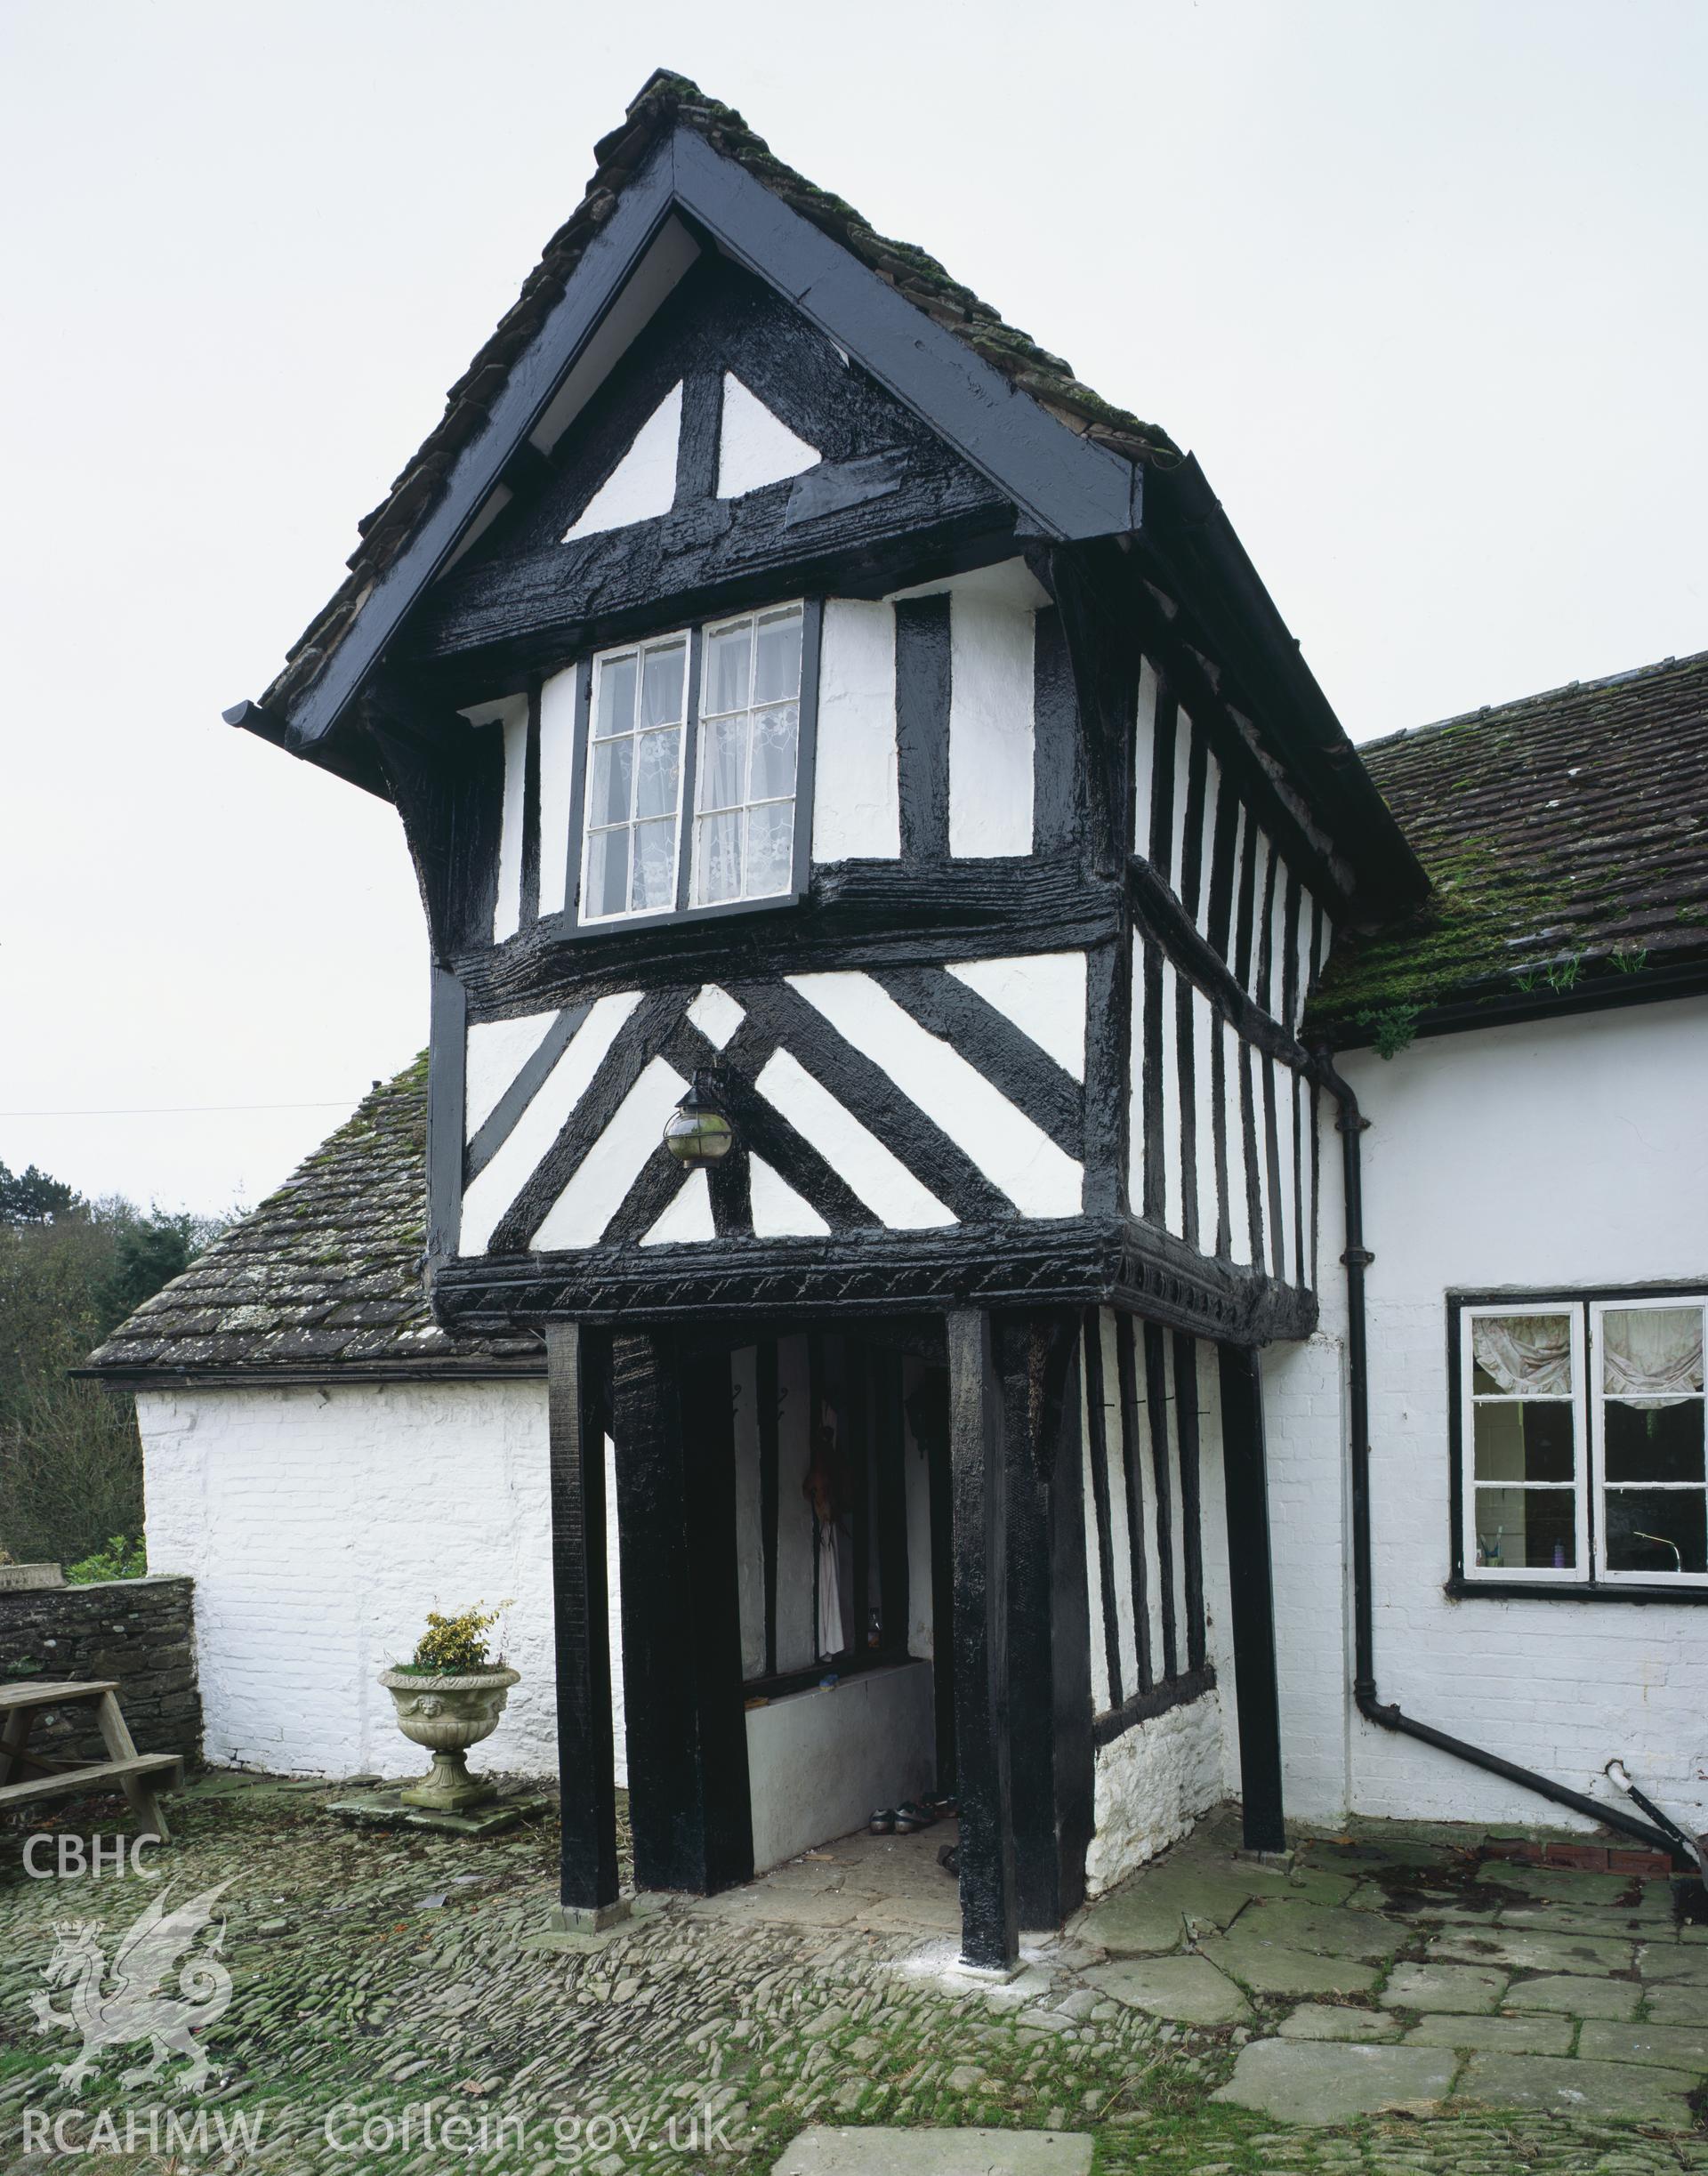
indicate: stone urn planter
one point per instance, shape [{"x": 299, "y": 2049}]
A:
[{"x": 448, "y": 1711}]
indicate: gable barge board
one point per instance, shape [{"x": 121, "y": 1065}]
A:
[
  {"x": 857, "y": 915},
  {"x": 1069, "y": 1262},
  {"x": 1067, "y": 486},
  {"x": 1202, "y": 563},
  {"x": 1210, "y": 708}
]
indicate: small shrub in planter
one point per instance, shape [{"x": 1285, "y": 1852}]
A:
[{"x": 448, "y": 1697}]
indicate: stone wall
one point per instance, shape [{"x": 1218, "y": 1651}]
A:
[{"x": 139, "y": 1630}]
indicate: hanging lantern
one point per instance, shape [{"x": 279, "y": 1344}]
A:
[{"x": 697, "y": 1133}]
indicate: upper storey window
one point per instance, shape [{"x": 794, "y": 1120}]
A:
[
  {"x": 635, "y": 771},
  {"x": 747, "y": 759},
  {"x": 740, "y": 681}
]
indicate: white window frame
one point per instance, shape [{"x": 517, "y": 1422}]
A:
[
  {"x": 1592, "y": 1576},
  {"x": 1600, "y": 1309},
  {"x": 795, "y": 611},
  {"x": 639, "y": 652},
  {"x": 1541, "y": 1575}
]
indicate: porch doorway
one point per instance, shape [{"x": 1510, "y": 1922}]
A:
[{"x": 843, "y": 1575}]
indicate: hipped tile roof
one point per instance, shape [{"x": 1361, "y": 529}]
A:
[
  {"x": 665, "y": 100},
  {"x": 1567, "y": 837},
  {"x": 325, "y": 1275}
]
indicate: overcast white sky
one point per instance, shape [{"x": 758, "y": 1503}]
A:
[{"x": 1421, "y": 285}]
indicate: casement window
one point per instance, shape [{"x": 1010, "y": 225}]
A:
[
  {"x": 710, "y": 720},
  {"x": 1580, "y": 1442}
]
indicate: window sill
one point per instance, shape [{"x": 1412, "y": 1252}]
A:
[
  {"x": 1460, "y": 1589},
  {"x": 564, "y": 928}
]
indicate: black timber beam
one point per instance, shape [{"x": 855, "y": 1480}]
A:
[
  {"x": 978, "y": 1468},
  {"x": 1069, "y": 1262},
  {"x": 1251, "y": 1595},
  {"x": 577, "y": 1393},
  {"x": 689, "y": 1803},
  {"x": 1051, "y": 1758}
]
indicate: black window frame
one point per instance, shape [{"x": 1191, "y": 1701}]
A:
[
  {"x": 1588, "y": 1587},
  {"x": 570, "y": 922}
]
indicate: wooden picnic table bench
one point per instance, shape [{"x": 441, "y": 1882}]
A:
[{"x": 25, "y": 1774}]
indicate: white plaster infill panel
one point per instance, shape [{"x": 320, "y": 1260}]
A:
[
  {"x": 494, "y": 1189},
  {"x": 1043, "y": 994},
  {"x": 882, "y": 1182},
  {"x": 498, "y": 1051},
  {"x": 856, "y": 801},
  {"x": 687, "y": 1217},
  {"x": 642, "y": 485},
  {"x": 557, "y": 787},
  {"x": 602, "y": 1181},
  {"x": 754, "y": 446},
  {"x": 716, "y": 1015},
  {"x": 1014, "y": 1154},
  {"x": 990, "y": 725},
  {"x": 779, "y": 1213}
]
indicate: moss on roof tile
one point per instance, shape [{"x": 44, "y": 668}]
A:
[{"x": 326, "y": 1272}]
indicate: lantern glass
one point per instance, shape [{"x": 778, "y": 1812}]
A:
[{"x": 696, "y": 1135}]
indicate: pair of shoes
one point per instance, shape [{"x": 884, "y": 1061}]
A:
[
  {"x": 911, "y": 1818},
  {"x": 882, "y": 1823},
  {"x": 945, "y": 1809},
  {"x": 949, "y": 1859}
]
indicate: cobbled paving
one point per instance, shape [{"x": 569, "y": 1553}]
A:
[{"x": 377, "y": 1975}]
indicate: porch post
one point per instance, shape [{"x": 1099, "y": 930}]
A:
[
  {"x": 576, "y": 1364},
  {"x": 1049, "y": 1622},
  {"x": 689, "y": 1801},
  {"x": 1252, "y": 1599},
  {"x": 988, "y": 1924}
]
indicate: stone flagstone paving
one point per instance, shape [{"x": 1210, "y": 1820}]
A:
[{"x": 1386, "y": 2004}]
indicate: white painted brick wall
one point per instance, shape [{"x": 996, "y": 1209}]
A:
[
  {"x": 321, "y": 1526},
  {"x": 1152, "y": 1783},
  {"x": 1567, "y": 1153}
]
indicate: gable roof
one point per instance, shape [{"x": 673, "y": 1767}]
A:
[
  {"x": 322, "y": 1282},
  {"x": 669, "y": 103},
  {"x": 1566, "y": 835},
  {"x": 1075, "y": 467}
]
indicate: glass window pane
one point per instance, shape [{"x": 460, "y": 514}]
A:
[
  {"x": 661, "y": 690},
  {"x": 608, "y": 873},
  {"x": 1657, "y": 1530},
  {"x": 770, "y": 844},
  {"x": 1521, "y": 1356},
  {"x": 1653, "y": 1442},
  {"x": 655, "y": 865},
  {"x": 775, "y": 734},
  {"x": 615, "y": 697},
  {"x": 1527, "y": 1442},
  {"x": 776, "y": 670},
  {"x": 719, "y": 783},
  {"x": 726, "y": 669},
  {"x": 655, "y": 762},
  {"x": 1526, "y": 1530},
  {"x": 608, "y": 802},
  {"x": 1653, "y": 1351},
  {"x": 717, "y": 860}
]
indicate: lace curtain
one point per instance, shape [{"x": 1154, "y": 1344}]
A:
[
  {"x": 1649, "y": 1354},
  {"x": 1528, "y": 1356}
]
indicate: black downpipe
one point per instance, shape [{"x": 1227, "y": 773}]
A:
[{"x": 1352, "y": 1124}]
